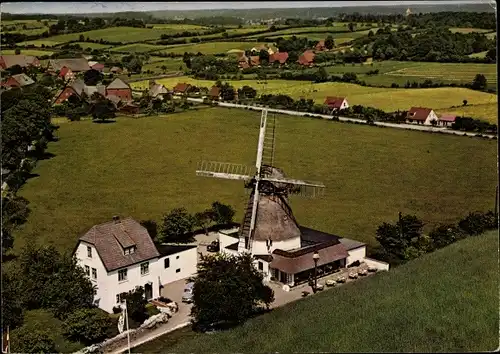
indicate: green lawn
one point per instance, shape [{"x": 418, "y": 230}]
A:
[
  {"x": 145, "y": 167},
  {"x": 446, "y": 301},
  {"x": 172, "y": 64},
  {"x": 387, "y": 99},
  {"x": 91, "y": 45},
  {"x": 39, "y": 42},
  {"x": 468, "y": 30}
]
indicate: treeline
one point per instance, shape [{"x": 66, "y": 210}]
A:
[
  {"x": 438, "y": 45},
  {"x": 469, "y": 124},
  {"x": 485, "y": 20},
  {"x": 404, "y": 240}
]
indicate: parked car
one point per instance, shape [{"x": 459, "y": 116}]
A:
[
  {"x": 214, "y": 246},
  {"x": 187, "y": 295}
]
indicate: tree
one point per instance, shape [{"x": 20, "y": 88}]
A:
[
  {"x": 492, "y": 55},
  {"x": 136, "y": 305},
  {"x": 81, "y": 38},
  {"x": 164, "y": 68},
  {"x": 151, "y": 227},
  {"x": 32, "y": 340},
  {"x": 227, "y": 290},
  {"x": 222, "y": 214},
  {"x": 12, "y": 306},
  {"x": 87, "y": 325},
  {"x": 349, "y": 77},
  {"x": 92, "y": 77},
  {"x": 479, "y": 82},
  {"x": 434, "y": 122},
  {"x": 227, "y": 92},
  {"x": 17, "y": 51},
  {"x": 247, "y": 92},
  {"x": 203, "y": 219},
  {"x": 264, "y": 56},
  {"x": 176, "y": 225},
  {"x": 329, "y": 42},
  {"x": 103, "y": 109},
  {"x": 351, "y": 26},
  {"x": 464, "y": 102},
  {"x": 321, "y": 75},
  {"x": 476, "y": 223},
  {"x": 445, "y": 234},
  {"x": 397, "y": 238},
  {"x": 15, "y": 70},
  {"x": 15, "y": 212}
]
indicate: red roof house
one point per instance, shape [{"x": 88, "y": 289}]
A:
[
  {"x": 66, "y": 73},
  {"x": 279, "y": 57},
  {"x": 255, "y": 60},
  {"x": 336, "y": 103},
  {"x": 421, "y": 115},
  {"x": 307, "y": 58},
  {"x": 99, "y": 67},
  {"x": 7, "y": 61},
  {"x": 446, "y": 120},
  {"x": 214, "y": 93},
  {"x": 243, "y": 62},
  {"x": 181, "y": 88},
  {"x": 19, "y": 80},
  {"x": 120, "y": 89}
]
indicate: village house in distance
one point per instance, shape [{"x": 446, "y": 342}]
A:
[{"x": 120, "y": 255}]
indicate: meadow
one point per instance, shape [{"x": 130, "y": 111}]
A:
[
  {"x": 138, "y": 48},
  {"x": 446, "y": 301},
  {"x": 387, "y": 99},
  {"x": 468, "y": 30},
  {"x": 145, "y": 167},
  {"x": 39, "y": 42},
  {"x": 210, "y": 47},
  {"x": 91, "y": 45},
  {"x": 33, "y": 52},
  {"x": 172, "y": 64}
]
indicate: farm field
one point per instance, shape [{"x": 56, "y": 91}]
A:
[
  {"x": 468, "y": 30},
  {"x": 118, "y": 34},
  {"x": 177, "y": 27},
  {"x": 316, "y": 29},
  {"x": 488, "y": 111},
  {"x": 172, "y": 64},
  {"x": 446, "y": 301},
  {"x": 39, "y": 42},
  {"x": 138, "y": 48},
  {"x": 387, "y": 99},
  {"x": 145, "y": 167},
  {"x": 210, "y": 47},
  {"x": 91, "y": 45},
  {"x": 33, "y": 52}
]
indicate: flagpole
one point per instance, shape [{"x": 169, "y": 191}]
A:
[{"x": 128, "y": 332}]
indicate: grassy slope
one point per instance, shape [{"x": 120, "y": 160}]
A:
[
  {"x": 144, "y": 167},
  {"x": 33, "y": 52},
  {"x": 446, "y": 301},
  {"x": 210, "y": 47},
  {"x": 387, "y": 99}
]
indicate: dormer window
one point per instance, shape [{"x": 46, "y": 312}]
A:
[{"x": 129, "y": 250}]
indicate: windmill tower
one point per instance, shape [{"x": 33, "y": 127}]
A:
[{"x": 268, "y": 222}]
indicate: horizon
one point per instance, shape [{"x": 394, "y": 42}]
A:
[{"x": 56, "y": 8}]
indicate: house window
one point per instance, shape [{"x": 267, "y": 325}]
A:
[
  {"x": 178, "y": 270},
  {"x": 118, "y": 298},
  {"x": 89, "y": 251},
  {"x": 177, "y": 257},
  {"x": 129, "y": 250},
  {"x": 145, "y": 268},
  {"x": 87, "y": 270},
  {"x": 122, "y": 275},
  {"x": 261, "y": 265},
  {"x": 94, "y": 273},
  {"x": 167, "y": 263},
  {"x": 95, "y": 291}
]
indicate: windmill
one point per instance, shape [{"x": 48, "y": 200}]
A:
[{"x": 268, "y": 216}]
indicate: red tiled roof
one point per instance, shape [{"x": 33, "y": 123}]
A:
[
  {"x": 110, "y": 237},
  {"x": 448, "y": 117},
  {"x": 64, "y": 71},
  {"x": 21, "y": 60},
  {"x": 306, "y": 58},
  {"x": 214, "y": 91},
  {"x": 281, "y": 57},
  {"x": 418, "y": 113},
  {"x": 255, "y": 60},
  {"x": 320, "y": 45},
  {"x": 181, "y": 87},
  {"x": 293, "y": 262},
  {"x": 334, "y": 102}
]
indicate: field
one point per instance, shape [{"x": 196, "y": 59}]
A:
[
  {"x": 446, "y": 301},
  {"x": 91, "y": 45},
  {"x": 178, "y": 28},
  {"x": 172, "y": 64},
  {"x": 119, "y": 34},
  {"x": 33, "y": 52},
  {"x": 145, "y": 167},
  {"x": 387, "y": 99},
  {"x": 210, "y": 47},
  {"x": 39, "y": 42},
  {"x": 468, "y": 30},
  {"x": 488, "y": 112},
  {"x": 138, "y": 48}
]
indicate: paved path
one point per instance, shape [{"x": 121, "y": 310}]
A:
[{"x": 350, "y": 120}]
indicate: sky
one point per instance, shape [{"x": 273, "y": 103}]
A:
[{"x": 100, "y": 7}]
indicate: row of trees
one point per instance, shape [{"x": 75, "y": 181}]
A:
[
  {"x": 404, "y": 240},
  {"x": 178, "y": 225}
]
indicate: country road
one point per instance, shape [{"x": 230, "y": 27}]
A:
[{"x": 349, "y": 120}]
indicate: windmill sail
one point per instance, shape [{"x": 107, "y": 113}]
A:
[{"x": 224, "y": 170}]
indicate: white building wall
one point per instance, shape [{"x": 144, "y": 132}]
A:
[
  {"x": 377, "y": 264},
  {"x": 344, "y": 104},
  {"x": 430, "y": 117},
  {"x": 357, "y": 254},
  {"x": 108, "y": 285},
  {"x": 265, "y": 268}
]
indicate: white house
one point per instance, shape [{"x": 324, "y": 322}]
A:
[
  {"x": 419, "y": 115},
  {"x": 119, "y": 255}
]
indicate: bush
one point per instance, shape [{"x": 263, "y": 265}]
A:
[
  {"x": 87, "y": 325},
  {"x": 476, "y": 223},
  {"x": 117, "y": 310}
]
